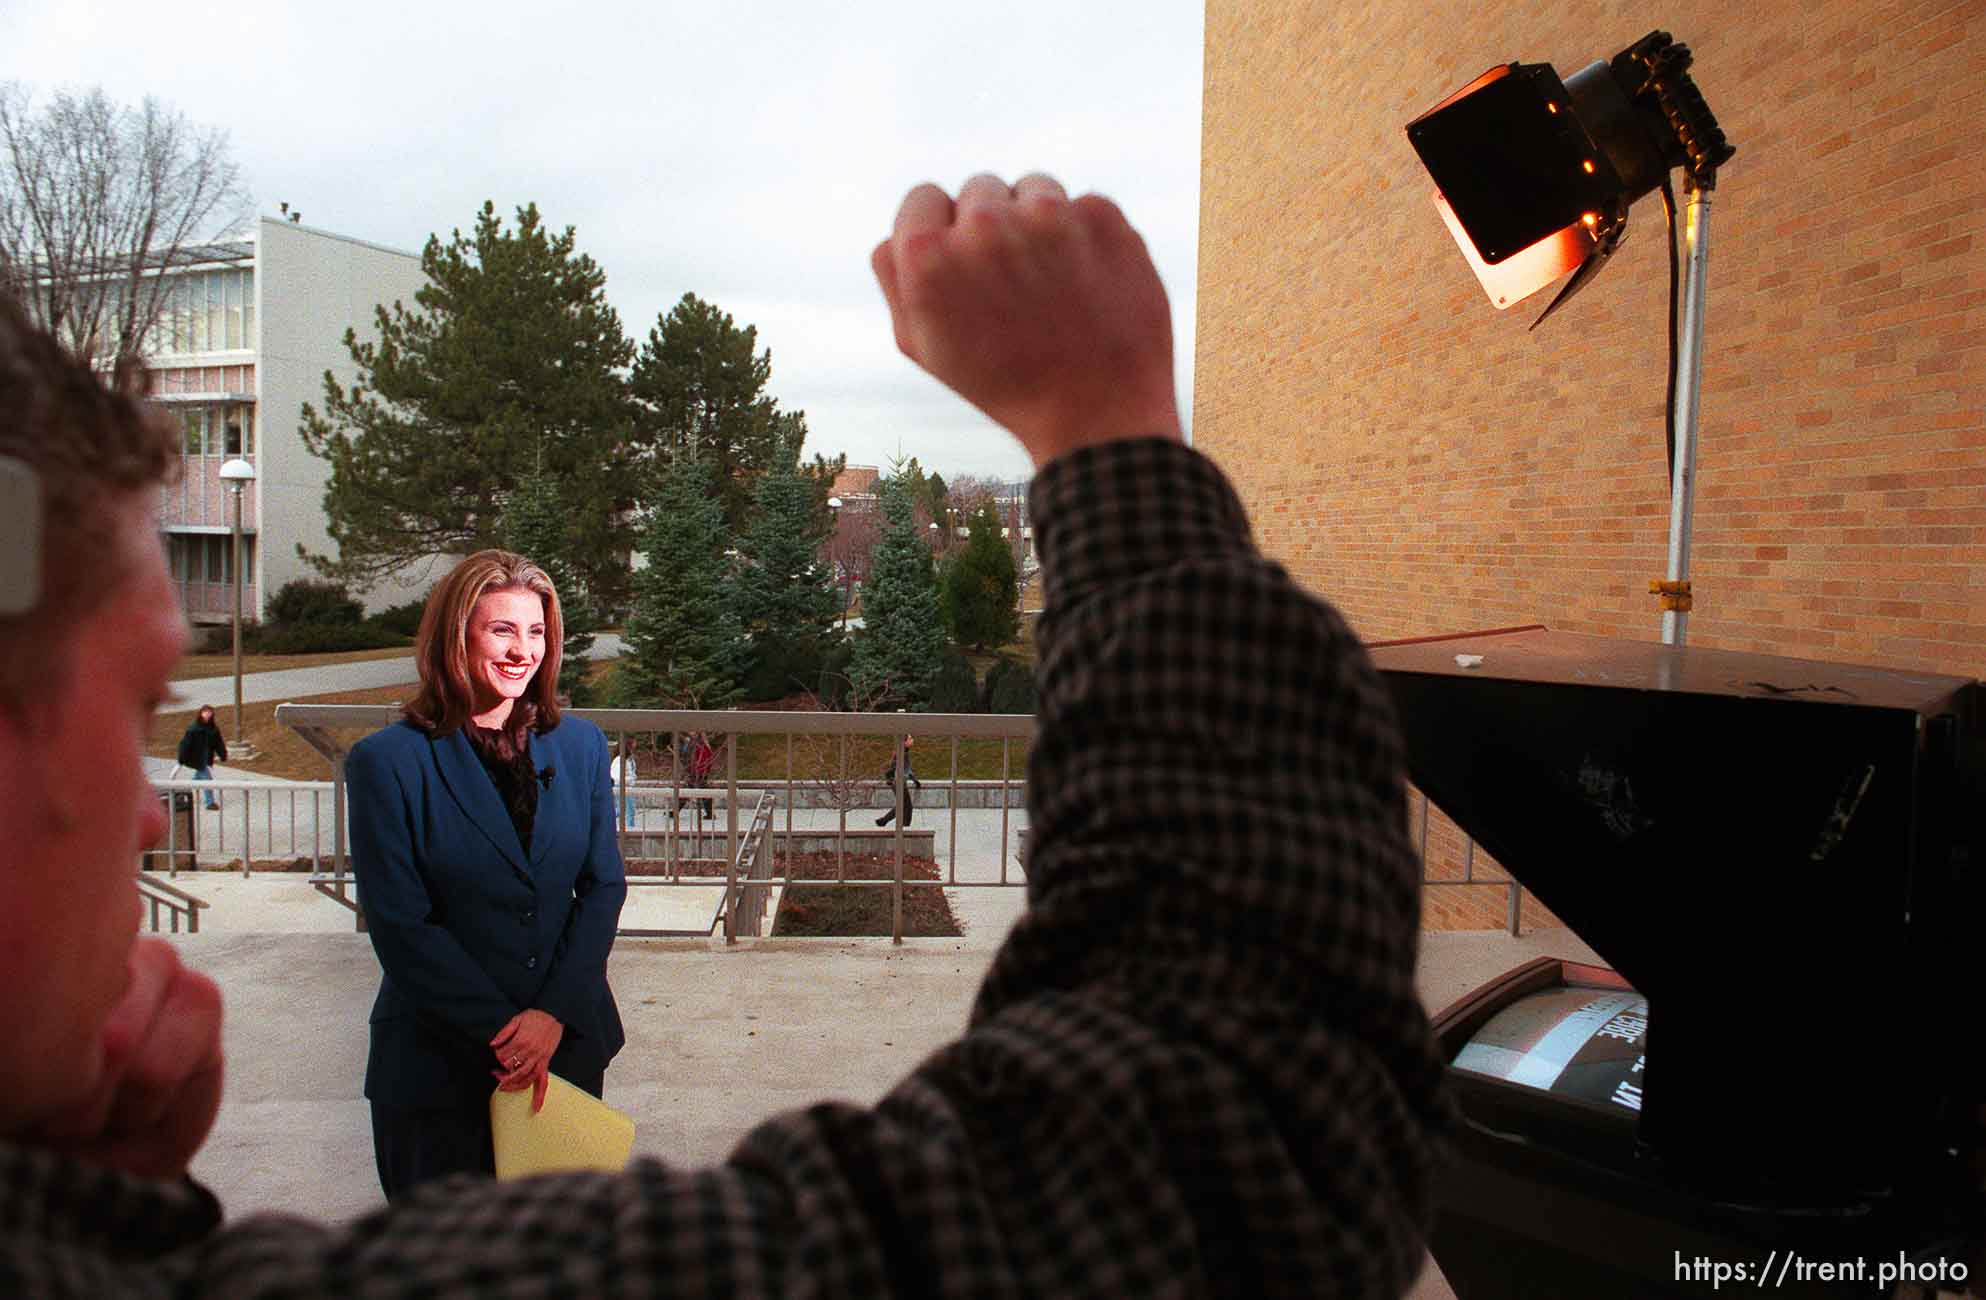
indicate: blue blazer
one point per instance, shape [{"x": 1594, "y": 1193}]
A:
[{"x": 468, "y": 931}]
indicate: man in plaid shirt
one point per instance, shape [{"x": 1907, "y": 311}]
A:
[{"x": 1197, "y": 1066}]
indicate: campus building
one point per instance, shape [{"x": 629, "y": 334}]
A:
[
  {"x": 1434, "y": 466},
  {"x": 244, "y": 342}
]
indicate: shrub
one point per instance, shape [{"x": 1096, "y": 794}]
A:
[
  {"x": 306, "y": 601},
  {"x": 955, "y": 689},
  {"x": 401, "y": 620},
  {"x": 1009, "y": 687},
  {"x": 781, "y": 667},
  {"x": 316, "y": 638}
]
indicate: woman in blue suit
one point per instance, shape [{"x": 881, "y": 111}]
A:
[{"x": 483, "y": 842}]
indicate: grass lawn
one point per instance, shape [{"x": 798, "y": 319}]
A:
[
  {"x": 194, "y": 667},
  {"x": 283, "y": 753}
]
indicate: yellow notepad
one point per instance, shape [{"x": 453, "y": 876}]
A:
[{"x": 575, "y": 1130}]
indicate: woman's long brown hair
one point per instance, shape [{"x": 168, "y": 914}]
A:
[{"x": 446, "y": 700}]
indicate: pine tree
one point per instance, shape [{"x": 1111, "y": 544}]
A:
[
  {"x": 898, "y": 651},
  {"x": 981, "y": 589},
  {"x": 511, "y": 361},
  {"x": 538, "y": 526},
  {"x": 699, "y": 383},
  {"x": 685, "y": 649},
  {"x": 784, "y": 596}
]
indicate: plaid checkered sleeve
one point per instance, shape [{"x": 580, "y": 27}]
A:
[{"x": 1198, "y": 1066}]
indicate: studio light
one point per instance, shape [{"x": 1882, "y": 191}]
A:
[
  {"x": 1534, "y": 179},
  {"x": 1535, "y": 175}
]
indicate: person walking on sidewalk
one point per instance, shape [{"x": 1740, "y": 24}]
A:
[
  {"x": 201, "y": 747},
  {"x": 703, "y": 758},
  {"x": 902, "y": 808},
  {"x": 621, "y": 772}
]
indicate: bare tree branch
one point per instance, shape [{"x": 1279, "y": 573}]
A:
[{"x": 97, "y": 201}]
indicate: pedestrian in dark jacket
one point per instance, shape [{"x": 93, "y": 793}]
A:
[
  {"x": 909, "y": 779},
  {"x": 201, "y": 747}
]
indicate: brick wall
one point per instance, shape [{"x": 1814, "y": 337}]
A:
[{"x": 1423, "y": 460}]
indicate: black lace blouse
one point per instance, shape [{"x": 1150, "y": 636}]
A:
[{"x": 516, "y": 780}]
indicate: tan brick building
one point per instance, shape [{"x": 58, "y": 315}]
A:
[{"x": 1417, "y": 456}]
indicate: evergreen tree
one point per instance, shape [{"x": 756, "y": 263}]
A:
[
  {"x": 512, "y": 355},
  {"x": 700, "y": 384},
  {"x": 898, "y": 651},
  {"x": 929, "y": 496},
  {"x": 981, "y": 589},
  {"x": 537, "y": 525},
  {"x": 785, "y": 596},
  {"x": 820, "y": 478},
  {"x": 685, "y": 649}
]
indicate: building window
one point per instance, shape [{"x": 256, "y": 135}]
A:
[
  {"x": 208, "y": 311},
  {"x": 231, "y": 282},
  {"x": 217, "y": 311},
  {"x": 196, "y": 286},
  {"x": 224, "y": 430}
]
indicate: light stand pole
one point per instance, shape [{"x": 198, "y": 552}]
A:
[
  {"x": 238, "y": 474},
  {"x": 1531, "y": 192},
  {"x": 1675, "y": 591}
]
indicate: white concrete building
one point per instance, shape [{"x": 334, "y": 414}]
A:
[{"x": 244, "y": 343}]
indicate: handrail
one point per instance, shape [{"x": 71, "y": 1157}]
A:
[
  {"x": 175, "y": 902},
  {"x": 317, "y": 723},
  {"x": 1514, "y": 891}
]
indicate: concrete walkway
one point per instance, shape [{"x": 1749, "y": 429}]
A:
[{"x": 718, "y": 1038}]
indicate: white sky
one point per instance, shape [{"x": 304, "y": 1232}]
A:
[{"x": 751, "y": 153}]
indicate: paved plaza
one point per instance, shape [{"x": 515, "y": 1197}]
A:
[{"x": 719, "y": 1036}]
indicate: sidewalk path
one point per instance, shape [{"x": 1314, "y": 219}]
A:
[{"x": 324, "y": 679}]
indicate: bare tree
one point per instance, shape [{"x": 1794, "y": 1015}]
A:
[
  {"x": 850, "y": 547},
  {"x": 97, "y": 201}
]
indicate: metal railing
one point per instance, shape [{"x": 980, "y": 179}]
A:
[
  {"x": 748, "y": 852},
  {"x": 1514, "y": 901},
  {"x": 269, "y": 822},
  {"x": 266, "y": 821},
  {"x": 170, "y": 902}
]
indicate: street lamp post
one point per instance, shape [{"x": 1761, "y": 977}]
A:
[
  {"x": 238, "y": 474},
  {"x": 847, "y": 592}
]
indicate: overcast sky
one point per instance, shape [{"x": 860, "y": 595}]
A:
[{"x": 751, "y": 153}]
